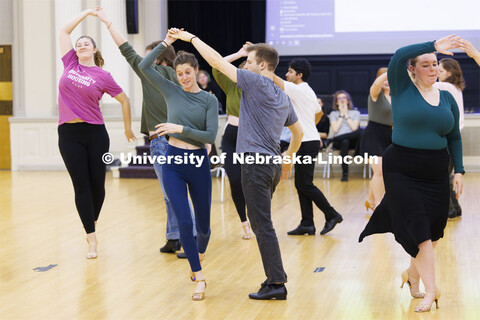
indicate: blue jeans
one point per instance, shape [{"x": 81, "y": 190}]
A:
[{"x": 158, "y": 147}]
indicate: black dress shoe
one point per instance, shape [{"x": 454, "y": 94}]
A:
[
  {"x": 171, "y": 246},
  {"x": 182, "y": 255},
  {"x": 301, "y": 230},
  {"x": 344, "y": 177},
  {"x": 270, "y": 292},
  {"x": 452, "y": 214},
  {"x": 330, "y": 224}
]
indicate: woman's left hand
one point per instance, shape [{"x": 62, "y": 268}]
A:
[
  {"x": 458, "y": 184},
  {"x": 130, "y": 135},
  {"x": 166, "y": 128}
]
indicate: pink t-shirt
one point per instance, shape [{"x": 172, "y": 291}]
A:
[{"x": 80, "y": 90}]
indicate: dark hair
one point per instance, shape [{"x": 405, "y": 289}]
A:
[
  {"x": 167, "y": 56},
  {"x": 264, "y": 52},
  {"x": 349, "y": 98},
  {"x": 97, "y": 56},
  {"x": 302, "y": 66},
  {"x": 185, "y": 57},
  {"x": 456, "y": 76}
]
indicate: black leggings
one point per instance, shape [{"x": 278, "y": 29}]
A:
[
  {"x": 229, "y": 145},
  {"x": 308, "y": 193},
  {"x": 82, "y": 146}
]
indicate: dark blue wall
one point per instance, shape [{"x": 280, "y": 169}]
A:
[
  {"x": 356, "y": 73},
  {"x": 226, "y": 25}
]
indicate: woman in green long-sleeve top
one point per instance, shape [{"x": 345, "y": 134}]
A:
[
  {"x": 425, "y": 131},
  {"x": 192, "y": 122}
]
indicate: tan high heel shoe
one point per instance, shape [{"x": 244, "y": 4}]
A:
[
  {"x": 426, "y": 307},
  {"x": 198, "y": 296},
  {"x": 368, "y": 205},
  {"x": 405, "y": 279},
  {"x": 247, "y": 231}
]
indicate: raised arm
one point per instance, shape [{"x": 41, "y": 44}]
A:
[
  {"x": 214, "y": 59},
  {"x": 127, "y": 117},
  {"x": 398, "y": 77},
  {"x": 376, "y": 87},
  {"x": 222, "y": 80},
  {"x": 156, "y": 78},
  {"x": 66, "y": 30},
  {"x": 242, "y": 53},
  {"x": 116, "y": 35},
  {"x": 469, "y": 49}
]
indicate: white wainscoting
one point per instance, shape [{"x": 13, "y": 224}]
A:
[{"x": 34, "y": 142}]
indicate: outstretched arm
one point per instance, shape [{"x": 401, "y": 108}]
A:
[
  {"x": 242, "y": 53},
  {"x": 469, "y": 49},
  {"x": 398, "y": 77},
  {"x": 214, "y": 59},
  {"x": 66, "y": 30},
  {"x": 116, "y": 35}
]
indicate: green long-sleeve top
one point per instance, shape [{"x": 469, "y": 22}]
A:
[
  {"x": 154, "y": 106},
  {"x": 233, "y": 93},
  {"x": 416, "y": 123},
  {"x": 196, "y": 112}
]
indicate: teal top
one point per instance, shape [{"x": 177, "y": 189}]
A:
[
  {"x": 196, "y": 112},
  {"x": 231, "y": 90},
  {"x": 416, "y": 123},
  {"x": 154, "y": 106}
]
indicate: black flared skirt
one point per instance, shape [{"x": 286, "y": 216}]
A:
[
  {"x": 375, "y": 139},
  {"x": 415, "y": 205}
]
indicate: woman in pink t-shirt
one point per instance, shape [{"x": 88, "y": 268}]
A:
[{"x": 82, "y": 137}]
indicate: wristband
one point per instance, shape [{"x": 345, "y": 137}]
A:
[
  {"x": 166, "y": 44},
  {"x": 111, "y": 22},
  {"x": 192, "y": 38}
]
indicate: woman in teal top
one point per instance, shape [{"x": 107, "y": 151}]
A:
[
  {"x": 415, "y": 166},
  {"x": 192, "y": 122}
]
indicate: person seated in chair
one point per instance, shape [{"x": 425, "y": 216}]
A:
[{"x": 345, "y": 123}]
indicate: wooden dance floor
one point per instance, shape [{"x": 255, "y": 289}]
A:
[{"x": 44, "y": 273}]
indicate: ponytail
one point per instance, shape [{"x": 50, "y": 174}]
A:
[{"x": 97, "y": 57}]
